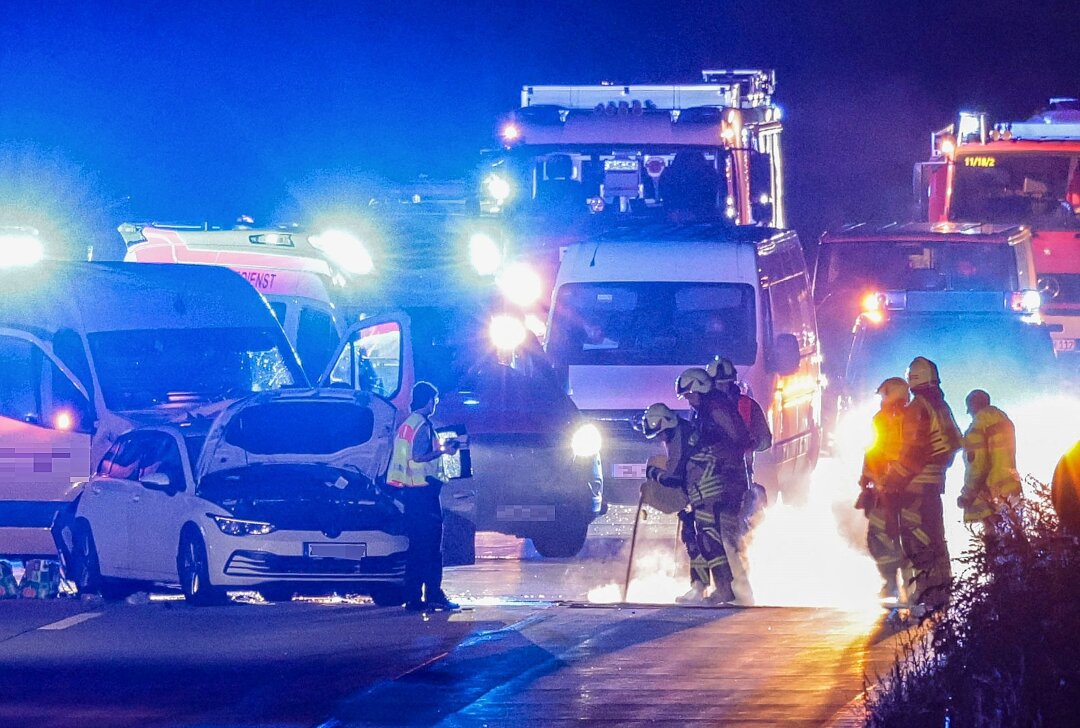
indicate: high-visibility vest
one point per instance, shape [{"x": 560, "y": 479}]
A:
[
  {"x": 404, "y": 472},
  {"x": 990, "y": 462}
]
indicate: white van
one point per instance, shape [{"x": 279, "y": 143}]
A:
[
  {"x": 89, "y": 350},
  {"x": 632, "y": 309},
  {"x": 292, "y": 274}
]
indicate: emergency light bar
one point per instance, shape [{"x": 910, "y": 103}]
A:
[{"x": 876, "y": 304}]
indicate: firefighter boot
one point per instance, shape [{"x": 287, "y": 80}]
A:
[{"x": 696, "y": 595}]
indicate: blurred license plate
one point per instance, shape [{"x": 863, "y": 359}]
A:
[
  {"x": 1065, "y": 344},
  {"x": 634, "y": 471},
  {"x": 353, "y": 551}
]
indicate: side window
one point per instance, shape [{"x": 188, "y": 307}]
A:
[
  {"x": 378, "y": 359},
  {"x": 342, "y": 373},
  {"x": 18, "y": 395},
  {"x": 107, "y": 460},
  {"x": 63, "y": 406},
  {"x": 160, "y": 454},
  {"x": 316, "y": 339},
  {"x": 124, "y": 464}
]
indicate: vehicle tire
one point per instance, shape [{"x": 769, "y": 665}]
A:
[
  {"x": 86, "y": 568},
  {"x": 277, "y": 593},
  {"x": 193, "y": 569},
  {"x": 561, "y": 540},
  {"x": 388, "y": 596},
  {"x": 458, "y": 541}
]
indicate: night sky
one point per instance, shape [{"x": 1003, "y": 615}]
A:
[{"x": 203, "y": 110}]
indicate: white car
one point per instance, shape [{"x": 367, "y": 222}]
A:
[{"x": 277, "y": 494}]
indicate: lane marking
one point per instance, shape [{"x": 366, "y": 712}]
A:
[{"x": 71, "y": 621}]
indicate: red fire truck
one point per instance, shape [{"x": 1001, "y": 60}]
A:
[{"x": 1024, "y": 172}]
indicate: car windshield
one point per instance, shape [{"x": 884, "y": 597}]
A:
[
  {"x": 1042, "y": 189},
  {"x": 653, "y": 323},
  {"x": 914, "y": 266},
  {"x": 144, "y": 368}
]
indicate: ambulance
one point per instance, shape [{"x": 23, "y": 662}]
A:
[{"x": 90, "y": 350}]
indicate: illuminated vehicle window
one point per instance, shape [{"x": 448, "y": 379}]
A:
[
  {"x": 34, "y": 390},
  {"x": 1018, "y": 188}
]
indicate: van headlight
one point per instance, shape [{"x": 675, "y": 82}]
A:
[
  {"x": 586, "y": 441},
  {"x": 240, "y": 527}
]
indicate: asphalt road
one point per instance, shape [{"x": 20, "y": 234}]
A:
[{"x": 527, "y": 650}]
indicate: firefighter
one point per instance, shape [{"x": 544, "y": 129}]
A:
[
  {"x": 716, "y": 478},
  {"x": 930, "y": 442},
  {"x": 679, "y": 438},
  {"x": 991, "y": 481},
  {"x": 881, "y": 507},
  {"x": 1065, "y": 491},
  {"x": 414, "y": 469}
]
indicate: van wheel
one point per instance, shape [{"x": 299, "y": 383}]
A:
[
  {"x": 86, "y": 568},
  {"x": 192, "y": 566},
  {"x": 561, "y": 540}
]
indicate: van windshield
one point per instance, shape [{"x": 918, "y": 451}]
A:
[
  {"x": 914, "y": 266},
  {"x": 144, "y": 368},
  {"x": 653, "y": 323}
]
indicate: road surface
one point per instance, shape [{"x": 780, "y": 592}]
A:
[{"x": 528, "y": 650}]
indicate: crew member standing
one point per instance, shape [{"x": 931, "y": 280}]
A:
[
  {"x": 991, "y": 481},
  {"x": 414, "y": 469},
  {"x": 716, "y": 479},
  {"x": 881, "y": 507},
  {"x": 931, "y": 440}
]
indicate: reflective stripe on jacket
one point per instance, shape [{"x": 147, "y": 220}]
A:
[
  {"x": 404, "y": 472},
  {"x": 931, "y": 439},
  {"x": 888, "y": 441}
]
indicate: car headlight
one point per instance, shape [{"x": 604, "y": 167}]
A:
[
  {"x": 521, "y": 285},
  {"x": 586, "y": 441},
  {"x": 240, "y": 527}
]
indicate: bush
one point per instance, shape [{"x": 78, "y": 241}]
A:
[{"x": 1004, "y": 653}]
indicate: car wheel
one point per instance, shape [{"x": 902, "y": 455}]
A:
[
  {"x": 561, "y": 540},
  {"x": 388, "y": 596},
  {"x": 192, "y": 566},
  {"x": 86, "y": 567}
]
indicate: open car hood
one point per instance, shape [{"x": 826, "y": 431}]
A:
[{"x": 343, "y": 429}]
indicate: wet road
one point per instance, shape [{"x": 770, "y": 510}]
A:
[{"x": 517, "y": 655}]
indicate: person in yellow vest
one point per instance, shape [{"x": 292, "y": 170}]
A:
[
  {"x": 414, "y": 469},
  {"x": 931, "y": 439},
  {"x": 882, "y": 507},
  {"x": 991, "y": 481},
  {"x": 1065, "y": 491}
]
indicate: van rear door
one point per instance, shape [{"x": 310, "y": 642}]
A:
[{"x": 374, "y": 356}]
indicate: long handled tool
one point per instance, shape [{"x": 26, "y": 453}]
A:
[{"x": 633, "y": 544}]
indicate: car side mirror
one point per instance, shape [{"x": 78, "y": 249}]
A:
[
  {"x": 158, "y": 481},
  {"x": 785, "y": 355}
]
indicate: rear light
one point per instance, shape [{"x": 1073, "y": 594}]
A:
[{"x": 1026, "y": 302}]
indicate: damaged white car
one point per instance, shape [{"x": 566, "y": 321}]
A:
[{"x": 277, "y": 494}]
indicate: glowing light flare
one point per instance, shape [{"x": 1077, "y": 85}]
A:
[
  {"x": 507, "y": 333},
  {"x": 657, "y": 578},
  {"x": 874, "y": 317},
  {"x": 521, "y": 284},
  {"x": 344, "y": 250},
  {"x": 63, "y": 421},
  {"x": 536, "y": 325},
  {"x": 872, "y": 302},
  {"x": 1028, "y": 301},
  {"x": 498, "y": 187},
  {"x": 510, "y": 132},
  {"x": 20, "y": 250},
  {"x": 484, "y": 254},
  {"x": 947, "y": 147},
  {"x": 586, "y": 441}
]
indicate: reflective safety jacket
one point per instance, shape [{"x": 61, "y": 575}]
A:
[
  {"x": 990, "y": 474},
  {"x": 1065, "y": 490},
  {"x": 931, "y": 439},
  {"x": 404, "y": 472},
  {"x": 888, "y": 442}
]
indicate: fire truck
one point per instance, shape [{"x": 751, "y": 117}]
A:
[
  {"x": 574, "y": 161},
  {"x": 1024, "y": 172}
]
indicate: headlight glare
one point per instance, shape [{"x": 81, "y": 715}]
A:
[{"x": 586, "y": 441}]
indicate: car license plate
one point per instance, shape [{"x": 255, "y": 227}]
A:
[
  {"x": 1065, "y": 344},
  {"x": 531, "y": 514},
  {"x": 352, "y": 551},
  {"x": 630, "y": 471}
]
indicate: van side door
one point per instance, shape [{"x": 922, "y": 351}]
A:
[{"x": 376, "y": 356}]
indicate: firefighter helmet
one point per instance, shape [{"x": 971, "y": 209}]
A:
[
  {"x": 977, "y": 400},
  {"x": 693, "y": 381},
  {"x": 893, "y": 389},
  {"x": 658, "y": 418},
  {"x": 722, "y": 370},
  {"x": 922, "y": 372}
]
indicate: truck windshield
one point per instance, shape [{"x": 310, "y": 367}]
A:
[
  {"x": 914, "y": 266},
  {"x": 144, "y": 368},
  {"x": 1042, "y": 189},
  {"x": 653, "y": 323}
]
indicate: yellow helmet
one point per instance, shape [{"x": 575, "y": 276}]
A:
[
  {"x": 893, "y": 389},
  {"x": 658, "y": 418},
  {"x": 693, "y": 380},
  {"x": 922, "y": 372}
]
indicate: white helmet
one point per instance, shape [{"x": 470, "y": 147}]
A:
[
  {"x": 922, "y": 372},
  {"x": 693, "y": 380},
  {"x": 658, "y": 418},
  {"x": 722, "y": 370}
]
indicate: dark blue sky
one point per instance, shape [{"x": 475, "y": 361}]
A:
[{"x": 201, "y": 110}]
